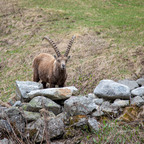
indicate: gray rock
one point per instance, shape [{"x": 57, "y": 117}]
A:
[
  {"x": 91, "y": 95},
  {"x": 137, "y": 101},
  {"x": 142, "y": 97},
  {"x": 61, "y": 142},
  {"x": 54, "y": 127},
  {"x": 2, "y": 112},
  {"x": 140, "y": 81},
  {"x": 6, "y": 141},
  {"x": 46, "y": 114},
  {"x": 17, "y": 104},
  {"x": 40, "y": 102},
  {"x": 98, "y": 113},
  {"x": 62, "y": 116},
  {"x": 138, "y": 91},
  {"x": 31, "y": 116},
  {"x": 80, "y": 105},
  {"x": 120, "y": 103},
  {"x": 28, "y": 107},
  {"x": 16, "y": 118},
  {"x": 54, "y": 93},
  {"x": 98, "y": 101},
  {"x": 36, "y": 130},
  {"x": 5, "y": 126},
  {"x": 112, "y": 90},
  {"x": 108, "y": 109},
  {"x": 106, "y": 104},
  {"x": 130, "y": 83},
  {"x": 82, "y": 122},
  {"x": 93, "y": 124},
  {"x": 24, "y": 87}
]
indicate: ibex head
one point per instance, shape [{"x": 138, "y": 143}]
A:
[{"x": 61, "y": 59}]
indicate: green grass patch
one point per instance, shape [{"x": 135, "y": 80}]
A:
[{"x": 121, "y": 20}]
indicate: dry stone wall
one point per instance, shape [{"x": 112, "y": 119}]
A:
[{"x": 36, "y": 110}]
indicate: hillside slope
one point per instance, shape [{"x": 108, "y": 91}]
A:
[{"x": 108, "y": 44}]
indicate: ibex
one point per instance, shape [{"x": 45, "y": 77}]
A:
[{"x": 51, "y": 69}]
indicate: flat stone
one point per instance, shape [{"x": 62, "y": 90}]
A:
[
  {"x": 140, "y": 81},
  {"x": 130, "y": 83},
  {"x": 138, "y": 91},
  {"x": 40, "y": 102},
  {"x": 137, "y": 101},
  {"x": 120, "y": 103},
  {"x": 93, "y": 124},
  {"x": 54, "y": 93},
  {"x": 112, "y": 90},
  {"x": 79, "y": 105},
  {"x": 24, "y": 87}
]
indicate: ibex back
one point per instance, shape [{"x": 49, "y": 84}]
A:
[{"x": 51, "y": 69}]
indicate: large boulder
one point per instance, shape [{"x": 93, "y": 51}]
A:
[
  {"x": 54, "y": 93},
  {"x": 138, "y": 91},
  {"x": 24, "y": 87},
  {"x": 80, "y": 105},
  {"x": 112, "y": 90},
  {"x": 40, "y": 102},
  {"x": 130, "y": 83}
]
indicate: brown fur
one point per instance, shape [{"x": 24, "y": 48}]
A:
[
  {"x": 51, "y": 69},
  {"x": 48, "y": 69}
]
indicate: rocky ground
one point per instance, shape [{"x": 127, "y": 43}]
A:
[{"x": 37, "y": 115}]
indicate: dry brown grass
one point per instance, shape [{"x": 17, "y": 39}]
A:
[
  {"x": 8, "y": 7},
  {"x": 93, "y": 56}
]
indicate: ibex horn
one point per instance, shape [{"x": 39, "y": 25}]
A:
[
  {"x": 53, "y": 45},
  {"x": 69, "y": 46}
]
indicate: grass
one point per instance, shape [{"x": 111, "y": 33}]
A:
[
  {"x": 110, "y": 132},
  {"x": 109, "y": 40},
  {"x": 112, "y": 16}
]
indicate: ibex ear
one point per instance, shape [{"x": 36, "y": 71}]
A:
[{"x": 55, "y": 57}]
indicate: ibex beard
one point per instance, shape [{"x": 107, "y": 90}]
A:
[{"x": 51, "y": 69}]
